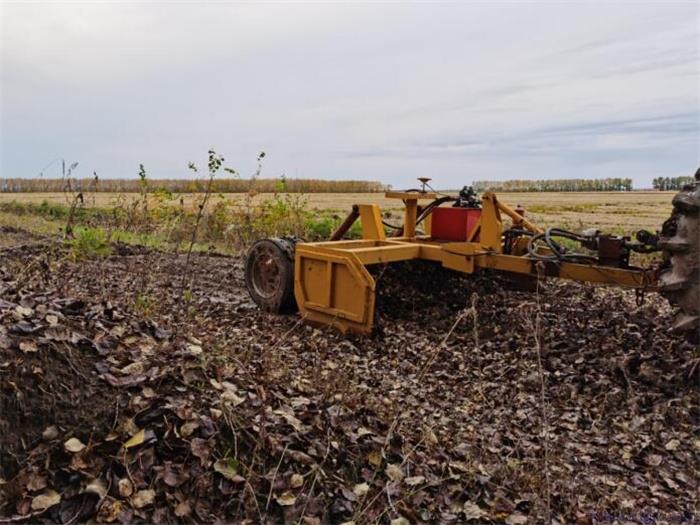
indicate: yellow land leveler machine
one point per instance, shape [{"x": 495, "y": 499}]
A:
[{"x": 329, "y": 282}]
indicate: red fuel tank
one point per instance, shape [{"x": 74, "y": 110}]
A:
[{"x": 454, "y": 224}]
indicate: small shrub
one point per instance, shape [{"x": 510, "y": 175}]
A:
[
  {"x": 144, "y": 304},
  {"x": 88, "y": 243},
  {"x": 321, "y": 228}
]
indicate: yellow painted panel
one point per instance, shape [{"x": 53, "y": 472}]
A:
[
  {"x": 371, "y": 219},
  {"x": 411, "y": 195},
  {"x": 333, "y": 287},
  {"x": 348, "y": 296},
  {"x": 460, "y": 263},
  {"x": 387, "y": 253},
  {"x": 314, "y": 272}
]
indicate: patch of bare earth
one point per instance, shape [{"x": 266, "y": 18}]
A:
[
  {"x": 124, "y": 402},
  {"x": 13, "y": 238}
]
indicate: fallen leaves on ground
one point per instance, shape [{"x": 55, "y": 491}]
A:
[{"x": 212, "y": 410}]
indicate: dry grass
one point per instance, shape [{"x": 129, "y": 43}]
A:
[
  {"x": 623, "y": 212},
  {"x": 613, "y": 212},
  {"x": 319, "y": 201}
]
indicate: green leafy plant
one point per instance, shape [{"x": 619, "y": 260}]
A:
[
  {"x": 88, "y": 243},
  {"x": 144, "y": 304}
]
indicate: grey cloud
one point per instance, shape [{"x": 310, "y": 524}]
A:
[{"x": 674, "y": 124}]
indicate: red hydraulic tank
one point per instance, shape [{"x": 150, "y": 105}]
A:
[{"x": 454, "y": 224}]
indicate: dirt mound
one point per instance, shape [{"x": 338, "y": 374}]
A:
[
  {"x": 48, "y": 359},
  {"x": 471, "y": 402}
]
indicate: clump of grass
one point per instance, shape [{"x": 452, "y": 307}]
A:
[
  {"x": 571, "y": 208},
  {"x": 89, "y": 243},
  {"x": 144, "y": 304}
]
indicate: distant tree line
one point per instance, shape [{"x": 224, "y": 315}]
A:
[
  {"x": 193, "y": 186},
  {"x": 610, "y": 184},
  {"x": 670, "y": 183}
]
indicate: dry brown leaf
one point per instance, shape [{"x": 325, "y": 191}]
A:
[
  {"x": 360, "y": 489},
  {"x": 172, "y": 474},
  {"x": 143, "y": 498},
  {"x": 291, "y": 419},
  {"x": 194, "y": 349},
  {"x": 133, "y": 368},
  {"x": 183, "y": 509},
  {"x": 36, "y": 482},
  {"x": 45, "y": 500},
  {"x": 654, "y": 460},
  {"x": 136, "y": 440},
  {"x": 516, "y": 518},
  {"x": 74, "y": 445},
  {"x": 362, "y": 431},
  {"x": 126, "y": 488},
  {"x": 50, "y": 433},
  {"x": 28, "y": 347},
  {"x": 109, "y": 510},
  {"x": 394, "y": 472},
  {"x": 139, "y": 438},
  {"x": 286, "y": 499},
  {"x": 472, "y": 511},
  {"x": 414, "y": 480},
  {"x": 222, "y": 467},
  {"x": 97, "y": 486},
  {"x": 296, "y": 480},
  {"x": 374, "y": 459},
  {"x": 430, "y": 437},
  {"x": 231, "y": 398},
  {"x": 23, "y": 311},
  {"x": 201, "y": 449},
  {"x": 672, "y": 445},
  {"x": 188, "y": 428}
]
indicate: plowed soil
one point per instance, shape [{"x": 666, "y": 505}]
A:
[{"x": 126, "y": 400}]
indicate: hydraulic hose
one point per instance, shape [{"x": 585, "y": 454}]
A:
[{"x": 559, "y": 252}]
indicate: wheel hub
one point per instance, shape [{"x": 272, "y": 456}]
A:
[{"x": 265, "y": 272}]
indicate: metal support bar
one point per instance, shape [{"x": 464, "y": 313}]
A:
[
  {"x": 563, "y": 270},
  {"x": 387, "y": 253},
  {"x": 517, "y": 218},
  {"x": 340, "y": 232},
  {"x": 371, "y": 217},
  {"x": 409, "y": 221},
  {"x": 491, "y": 226}
]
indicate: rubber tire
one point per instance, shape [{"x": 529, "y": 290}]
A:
[
  {"x": 679, "y": 279},
  {"x": 283, "y": 300}
]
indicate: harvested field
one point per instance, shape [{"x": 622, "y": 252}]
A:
[
  {"x": 618, "y": 212},
  {"x": 124, "y": 402}
]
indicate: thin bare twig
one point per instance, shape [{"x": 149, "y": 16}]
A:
[
  {"x": 471, "y": 311},
  {"x": 274, "y": 478},
  {"x": 544, "y": 431},
  {"x": 214, "y": 163}
]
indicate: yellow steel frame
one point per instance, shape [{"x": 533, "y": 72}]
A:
[{"x": 333, "y": 286}]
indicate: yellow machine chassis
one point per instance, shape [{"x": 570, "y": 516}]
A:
[{"x": 332, "y": 285}]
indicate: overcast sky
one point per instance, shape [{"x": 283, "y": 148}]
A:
[{"x": 382, "y": 91}]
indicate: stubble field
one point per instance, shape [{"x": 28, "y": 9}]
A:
[{"x": 617, "y": 212}]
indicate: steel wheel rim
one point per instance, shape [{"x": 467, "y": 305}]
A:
[{"x": 266, "y": 275}]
